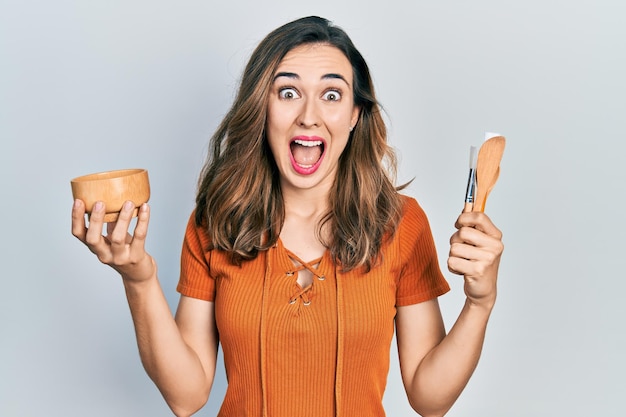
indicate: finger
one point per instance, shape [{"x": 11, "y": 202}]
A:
[
  {"x": 119, "y": 233},
  {"x": 141, "y": 230},
  {"x": 79, "y": 229},
  {"x": 485, "y": 225},
  {"x": 479, "y": 221},
  {"x": 459, "y": 266},
  {"x": 487, "y": 254},
  {"x": 93, "y": 237},
  {"x": 465, "y": 251},
  {"x": 111, "y": 226},
  {"x": 137, "y": 245},
  {"x": 470, "y": 261},
  {"x": 485, "y": 249},
  {"x": 472, "y": 236}
]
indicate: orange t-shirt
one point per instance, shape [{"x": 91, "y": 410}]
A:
[{"x": 320, "y": 351}]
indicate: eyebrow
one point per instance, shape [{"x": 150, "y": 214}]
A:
[{"x": 330, "y": 76}]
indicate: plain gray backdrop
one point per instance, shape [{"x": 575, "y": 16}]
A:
[{"x": 88, "y": 86}]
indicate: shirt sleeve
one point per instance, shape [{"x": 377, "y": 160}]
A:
[
  {"x": 195, "y": 277},
  {"x": 420, "y": 276}
]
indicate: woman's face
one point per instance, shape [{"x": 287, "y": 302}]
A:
[{"x": 310, "y": 114}]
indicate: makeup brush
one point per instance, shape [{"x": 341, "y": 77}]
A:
[{"x": 471, "y": 181}]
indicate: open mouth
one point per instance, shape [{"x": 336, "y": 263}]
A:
[{"x": 306, "y": 154}]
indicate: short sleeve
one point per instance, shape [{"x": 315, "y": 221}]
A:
[
  {"x": 420, "y": 276},
  {"x": 195, "y": 278}
]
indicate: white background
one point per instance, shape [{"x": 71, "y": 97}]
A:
[{"x": 88, "y": 86}]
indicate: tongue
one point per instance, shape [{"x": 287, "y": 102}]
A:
[{"x": 306, "y": 155}]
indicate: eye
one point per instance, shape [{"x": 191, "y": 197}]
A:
[
  {"x": 332, "y": 95},
  {"x": 288, "y": 93}
]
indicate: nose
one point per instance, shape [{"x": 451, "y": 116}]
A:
[{"x": 309, "y": 115}]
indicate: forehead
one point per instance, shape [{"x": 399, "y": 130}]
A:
[{"x": 315, "y": 59}]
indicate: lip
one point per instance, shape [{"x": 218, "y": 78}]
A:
[{"x": 307, "y": 170}]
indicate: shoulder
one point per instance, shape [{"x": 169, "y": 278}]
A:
[
  {"x": 413, "y": 216},
  {"x": 196, "y": 235},
  {"x": 413, "y": 232}
]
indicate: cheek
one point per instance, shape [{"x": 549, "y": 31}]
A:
[
  {"x": 280, "y": 117},
  {"x": 340, "y": 119}
]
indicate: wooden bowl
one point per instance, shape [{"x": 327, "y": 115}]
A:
[{"x": 113, "y": 188}]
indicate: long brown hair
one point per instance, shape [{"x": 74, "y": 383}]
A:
[{"x": 239, "y": 198}]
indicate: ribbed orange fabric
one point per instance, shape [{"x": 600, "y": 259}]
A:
[{"x": 319, "y": 351}]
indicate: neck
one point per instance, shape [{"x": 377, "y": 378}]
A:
[
  {"x": 305, "y": 205},
  {"x": 300, "y": 232}
]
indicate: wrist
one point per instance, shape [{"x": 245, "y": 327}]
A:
[
  {"x": 143, "y": 271},
  {"x": 483, "y": 305}
]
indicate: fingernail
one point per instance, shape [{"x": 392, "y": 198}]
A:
[
  {"x": 128, "y": 205},
  {"x": 76, "y": 203},
  {"x": 97, "y": 206}
]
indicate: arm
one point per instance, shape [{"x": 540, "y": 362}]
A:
[
  {"x": 178, "y": 354},
  {"x": 435, "y": 366}
]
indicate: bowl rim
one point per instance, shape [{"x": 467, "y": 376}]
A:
[{"x": 109, "y": 175}]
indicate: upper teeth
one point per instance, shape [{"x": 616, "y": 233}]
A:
[{"x": 308, "y": 142}]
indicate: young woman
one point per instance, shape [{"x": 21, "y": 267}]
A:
[{"x": 301, "y": 256}]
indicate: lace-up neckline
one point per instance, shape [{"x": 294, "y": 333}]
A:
[{"x": 303, "y": 286}]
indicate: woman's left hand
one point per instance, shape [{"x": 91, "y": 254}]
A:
[{"x": 475, "y": 250}]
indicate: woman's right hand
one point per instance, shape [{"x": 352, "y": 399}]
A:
[{"x": 118, "y": 248}]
